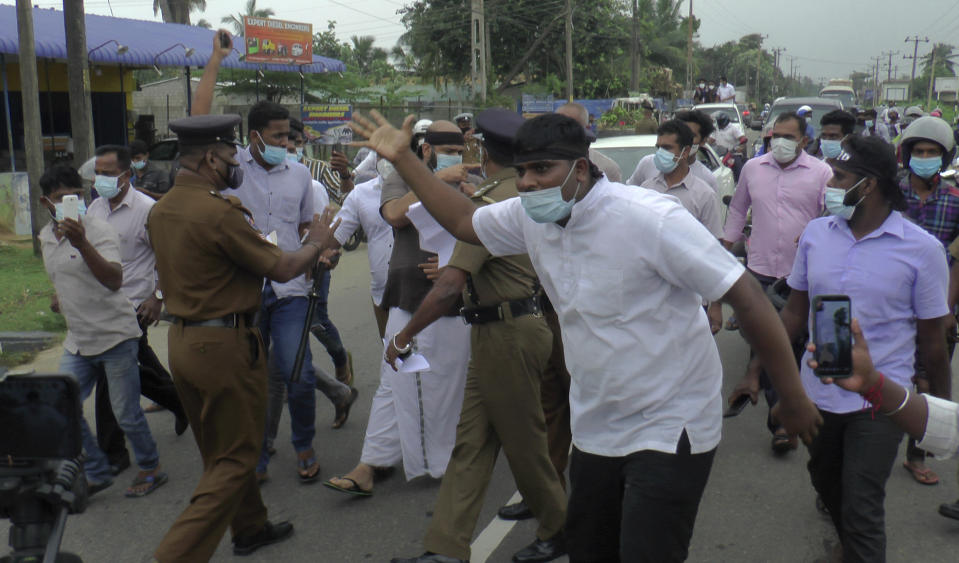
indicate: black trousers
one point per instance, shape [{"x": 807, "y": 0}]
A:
[
  {"x": 849, "y": 463},
  {"x": 155, "y": 384},
  {"x": 637, "y": 508}
]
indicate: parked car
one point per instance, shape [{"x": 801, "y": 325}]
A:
[
  {"x": 729, "y": 109},
  {"x": 628, "y": 150},
  {"x": 820, "y": 107}
]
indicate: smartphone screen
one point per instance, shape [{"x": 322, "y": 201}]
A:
[
  {"x": 224, "y": 40},
  {"x": 832, "y": 334}
]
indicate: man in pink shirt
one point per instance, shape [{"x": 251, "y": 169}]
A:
[{"x": 785, "y": 190}]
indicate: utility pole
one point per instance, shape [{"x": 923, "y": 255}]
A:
[
  {"x": 78, "y": 75},
  {"x": 689, "y": 47},
  {"x": 776, "y": 52},
  {"x": 875, "y": 80},
  {"x": 634, "y": 50},
  {"x": 569, "y": 50},
  {"x": 759, "y": 58},
  {"x": 30, "y": 98},
  {"x": 478, "y": 50},
  {"x": 932, "y": 77},
  {"x": 915, "y": 51},
  {"x": 889, "y": 63}
]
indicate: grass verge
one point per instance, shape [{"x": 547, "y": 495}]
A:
[{"x": 25, "y": 292}]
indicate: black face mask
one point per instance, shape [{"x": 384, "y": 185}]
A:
[{"x": 234, "y": 175}]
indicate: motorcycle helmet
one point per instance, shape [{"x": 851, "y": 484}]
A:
[
  {"x": 722, "y": 120},
  {"x": 419, "y": 132},
  {"x": 803, "y": 111},
  {"x": 929, "y": 128}
]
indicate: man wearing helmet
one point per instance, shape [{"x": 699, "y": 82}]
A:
[
  {"x": 928, "y": 147},
  {"x": 728, "y": 136}
]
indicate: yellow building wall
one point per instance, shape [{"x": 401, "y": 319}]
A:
[{"x": 52, "y": 77}]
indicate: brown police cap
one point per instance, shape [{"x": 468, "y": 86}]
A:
[{"x": 206, "y": 129}]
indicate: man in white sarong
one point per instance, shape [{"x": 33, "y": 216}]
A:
[{"x": 414, "y": 414}]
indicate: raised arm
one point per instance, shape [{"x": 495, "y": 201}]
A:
[
  {"x": 450, "y": 208},
  {"x": 203, "y": 97}
]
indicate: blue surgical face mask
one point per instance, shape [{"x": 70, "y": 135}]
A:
[
  {"x": 666, "y": 161},
  {"x": 107, "y": 186},
  {"x": 836, "y": 201},
  {"x": 81, "y": 210},
  {"x": 869, "y": 124},
  {"x": 925, "y": 168},
  {"x": 830, "y": 148},
  {"x": 548, "y": 205},
  {"x": 138, "y": 164},
  {"x": 447, "y": 160},
  {"x": 271, "y": 154}
]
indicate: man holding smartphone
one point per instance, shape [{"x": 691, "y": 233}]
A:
[{"x": 895, "y": 276}]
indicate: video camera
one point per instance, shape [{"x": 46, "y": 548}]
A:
[{"x": 41, "y": 475}]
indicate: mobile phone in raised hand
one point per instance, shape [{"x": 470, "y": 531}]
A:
[
  {"x": 71, "y": 207},
  {"x": 832, "y": 335},
  {"x": 224, "y": 39}
]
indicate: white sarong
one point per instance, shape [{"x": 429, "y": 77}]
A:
[{"x": 414, "y": 415}]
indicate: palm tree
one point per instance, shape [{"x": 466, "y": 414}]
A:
[
  {"x": 237, "y": 20},
  {"x": 945, "y": 66},
  {"x": 178, "y": 11},
  {"x": 204, "y": 23}
]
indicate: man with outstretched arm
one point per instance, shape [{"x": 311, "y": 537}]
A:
[{"x": 643, "y": 444}]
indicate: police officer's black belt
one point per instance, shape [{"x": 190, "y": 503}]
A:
[
  {"x": 229, "y": 321},
  {"x": 517, "y": 308}
]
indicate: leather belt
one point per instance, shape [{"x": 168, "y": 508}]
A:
[
  {"x": 517, "y": 308},
  {"x": 232, "y": 320}
]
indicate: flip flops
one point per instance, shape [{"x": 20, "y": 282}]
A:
[
  {"x": 353, "y": 489},
  {"x": 154, "y": 480},
  {"x": 343, "y": 410},
  {"x": 924, "y": 476},
  {"x": 308, "y": 469}
]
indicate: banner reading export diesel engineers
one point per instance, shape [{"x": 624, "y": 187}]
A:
[{"x": 278, "y": 41}]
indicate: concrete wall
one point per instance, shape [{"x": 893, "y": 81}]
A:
[{"x": 15, "y": 203}]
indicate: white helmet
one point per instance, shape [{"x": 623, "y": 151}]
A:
[
  {"x": 420, "y": 127},
  {"x": 804, "y": 110}
]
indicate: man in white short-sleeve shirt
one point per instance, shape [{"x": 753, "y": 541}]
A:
[{"x": 631, "y": 315}]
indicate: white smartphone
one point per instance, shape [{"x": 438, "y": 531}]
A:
[{"x": 71, "y": 207}]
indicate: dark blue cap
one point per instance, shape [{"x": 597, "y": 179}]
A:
[
  {"x": 498, "y": 127},
  {"x": 206, "y": 129}
]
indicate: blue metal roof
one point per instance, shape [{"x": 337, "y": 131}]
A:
[{"x": 144, "y": 39}]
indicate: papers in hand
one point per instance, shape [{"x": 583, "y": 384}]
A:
[
  {"x": 271, "y": 238},
  {"x": 412, "y": 364},
  {"x": 433, "y": 237}
]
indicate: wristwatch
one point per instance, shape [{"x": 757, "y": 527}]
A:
[{"x": 158, "y": 294}]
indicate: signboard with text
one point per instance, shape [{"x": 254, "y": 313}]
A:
[
  {"x": 327, "y": 122},
  {"x": 277, "y": 41}
]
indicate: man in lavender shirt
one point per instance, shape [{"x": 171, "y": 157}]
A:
[
  {"x": 785, "y": 189},
  {"x": 896, "y": 276}
]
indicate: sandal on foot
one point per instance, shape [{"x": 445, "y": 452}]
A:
[
  {"x": 343, "y": 410},
  {"x": 349, "y": 362},
  {"x": 353, "y": 489},
  {"x": 308, "y": 469},
  {"x": 153, "y": 481},
  {"x": 782, "y": 443},
  {"x": 924, "y": 476}
]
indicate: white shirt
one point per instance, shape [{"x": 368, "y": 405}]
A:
[
  {"x": 728, "y": 138},
  {"x": 726, "y": 92},
  {"x": 321, "y": 198},
  {"x": 366, "y": 170},
  {"x": 695, "y": 196},
  {"x": 644, "y": 364},
  {"x": 97, "y": 318},
  {"x": 646, "y": 169},
  {"x": 129, "y": 220},
  {"x": 942, "y": 428},
  {"x": 361, "y": 208}
]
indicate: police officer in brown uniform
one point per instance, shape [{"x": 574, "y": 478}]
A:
[
  {"x": 211, "y": 263},
  {"x": 510, "y": 344}
]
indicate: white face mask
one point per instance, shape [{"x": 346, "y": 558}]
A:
[{"x": 784, "y": 150}]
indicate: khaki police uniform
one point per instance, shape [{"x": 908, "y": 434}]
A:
[
  {"x": 646, "y": 126},
  {"x": 511, "y": 345},
  {"x": 211, "y": 263}
]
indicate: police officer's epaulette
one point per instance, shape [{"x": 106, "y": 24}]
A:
[
  {"x": 481, "y": 193},
  {"x": 235, "y": 202}
]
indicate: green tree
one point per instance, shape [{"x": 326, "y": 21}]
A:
[
  {"x": 251, "y": 10},
  {"x": 178, "y": 11}
]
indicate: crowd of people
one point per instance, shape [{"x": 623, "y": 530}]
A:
[{"x": 560, "y": 360}]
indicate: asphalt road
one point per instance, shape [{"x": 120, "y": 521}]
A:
[{"x": 756, "y": 507}]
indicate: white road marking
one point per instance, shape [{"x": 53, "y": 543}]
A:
[{"x": 489, "y": 539}]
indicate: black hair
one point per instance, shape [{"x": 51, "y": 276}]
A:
[
  {"x": 882, "y": 157},
  {"x": 845, "y": 120},
  {"x": 263, "y": 112},
  {"x": 296, "y": 125},
  {"x": 549, "y": 130},
  {"x": 723, "y": 77},
  {"x": 59, "y": 175},
  {"x": 696, "y": 116},
  {"x": 139, "y": 147},
  {"x": 123, "y": 154},
  {"x": 679, "y": 128},
  {"x": 786, "y": 116}
]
